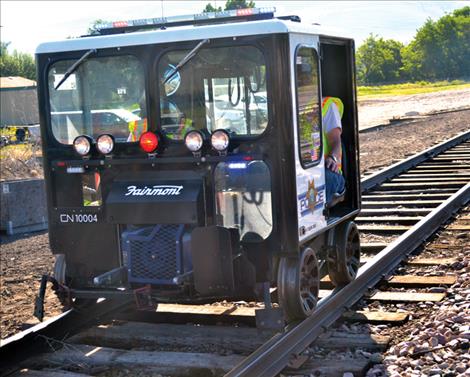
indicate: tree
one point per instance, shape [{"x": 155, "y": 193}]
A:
[
  {"x": 239, "y": 4},
  {"x": 440, "y": 49},
  {"x": 17, "y": 63},
  {"x": 210, "y": 8},
  {"x": 93, "y": 29},
  {"x": 230, "y": 4},
  {"x": 379, "y": 60}
]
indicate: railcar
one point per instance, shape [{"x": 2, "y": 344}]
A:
[{"x": 184, "y": 162}]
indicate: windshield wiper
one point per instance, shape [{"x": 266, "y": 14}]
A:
[
  {"x": 191, "y": 54},
  {"x": 74, "y": 67}
]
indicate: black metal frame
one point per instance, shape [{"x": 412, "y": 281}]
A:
[{"x": 92, "y": 249}]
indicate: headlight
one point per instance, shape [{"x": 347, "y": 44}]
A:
[
  {"x": 220, "y": 140},
  {"x": 193, "y": 141},
  {"x": 82, "y": 145},
  {"x": 105, "y": 144}
]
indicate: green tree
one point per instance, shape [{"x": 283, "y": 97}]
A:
[
  {"x": 93, "y": 29},
  {"x": 239, "y": 4},
  {"x": 440, "y": 49},
  {"x": 17, "y": 63},
  {"x": 210, "y": 8},
  {"x": 379, "y": 60},
  {"x": 230, "y": 4}
]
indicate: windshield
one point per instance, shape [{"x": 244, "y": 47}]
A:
[
  {"x": 218, "y": 88},
  {"x": 102, "y": 96}
]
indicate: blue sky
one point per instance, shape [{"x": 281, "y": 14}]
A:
[{"x": 28, "y": 23}]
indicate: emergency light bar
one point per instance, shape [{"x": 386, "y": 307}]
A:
[{"x": 193, "y": 19}]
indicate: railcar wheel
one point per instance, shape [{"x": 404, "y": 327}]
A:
[
  {"x": 59, "y": 273},
  {"x": 344, "y": 259},
  {"x": 298, "y": 285}
]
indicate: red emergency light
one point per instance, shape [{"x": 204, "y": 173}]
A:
[{"x": 148, "y": 142}]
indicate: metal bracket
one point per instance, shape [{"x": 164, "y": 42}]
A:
[
  {"x": 39, "y": 301},
  {"x": 143, "y": 298}
]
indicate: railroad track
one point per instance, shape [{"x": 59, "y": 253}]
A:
[{"x": 407, "y": 202}]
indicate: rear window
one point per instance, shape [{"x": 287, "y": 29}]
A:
[{"x": 103, "y": 96}]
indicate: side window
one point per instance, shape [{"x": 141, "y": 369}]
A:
[{"x": 308, "y": 106}]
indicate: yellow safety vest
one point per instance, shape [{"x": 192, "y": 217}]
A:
[
  {"x": 325, "y": 106},
  {"x": 137, "y": 128}
]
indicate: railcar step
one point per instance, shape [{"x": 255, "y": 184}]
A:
[
  {"x": 166, "y": 363},
  {"x": 376, "y": 317},
  {"x": 167, "y": 336},
  {"x": 421, "y": 281}
]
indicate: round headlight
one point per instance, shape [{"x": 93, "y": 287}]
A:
[
  {"x": 82, "y": 145},
  {"x": 105, "y": 144},
  {"x": 220, "y": 140},
  {"x": 193, "y": 141}
]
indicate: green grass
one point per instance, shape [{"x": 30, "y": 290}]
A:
[{"x": 410, "y": 88}]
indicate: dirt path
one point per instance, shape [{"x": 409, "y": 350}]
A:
[{"x": 375, "y": 111}]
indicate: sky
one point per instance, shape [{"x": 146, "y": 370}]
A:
[{"x": 26, "y": 24}]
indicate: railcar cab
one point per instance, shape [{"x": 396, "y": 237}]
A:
[{"x": 184, "y": 163}]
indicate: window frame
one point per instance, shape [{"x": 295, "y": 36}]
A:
[{"x": 320, "y": 123}]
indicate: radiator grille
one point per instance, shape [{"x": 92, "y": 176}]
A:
[{"x": 153, "y": 254}]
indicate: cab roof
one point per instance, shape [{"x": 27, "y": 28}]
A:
[{"x": 180, "y": 34}]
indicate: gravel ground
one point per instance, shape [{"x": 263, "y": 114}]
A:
[
  {"x": 407, "y": 138},
  {"x": 436, "y": 341},
  {"x": 373, "y": 111}
]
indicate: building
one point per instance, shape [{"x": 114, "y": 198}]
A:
[{"x": 18, "y": 102}]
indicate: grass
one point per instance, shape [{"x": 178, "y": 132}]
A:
[{"x": 410, "y": 88}]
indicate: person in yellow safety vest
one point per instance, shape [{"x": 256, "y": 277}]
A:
[
  {"x": 185, "y": 125},
  {"x": 332, "y": 112},
  {"x": 136, "y": 129}
]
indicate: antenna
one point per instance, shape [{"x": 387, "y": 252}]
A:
[{"x": 162, "y": 8}]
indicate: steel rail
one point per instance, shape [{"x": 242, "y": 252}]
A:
[
  {"x": 23, "y": 345},
  {"x": 272, "y": 357},
  {"x": 393, "y": 170}
]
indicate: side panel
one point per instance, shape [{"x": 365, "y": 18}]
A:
[{"x": 310, "y": 182}]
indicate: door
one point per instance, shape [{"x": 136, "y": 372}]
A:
[{"x": 309, "y": 164}]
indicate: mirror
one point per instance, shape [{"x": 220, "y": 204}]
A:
[{"x": 172, "y": 85}]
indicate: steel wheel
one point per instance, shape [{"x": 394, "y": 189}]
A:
[
  {"x": 344, "y": 259},
  {"x": 59, "y": 273},
  {"x": 298, "y": 285}
]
